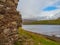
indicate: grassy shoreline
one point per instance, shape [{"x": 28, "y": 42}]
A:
[{"x": 30, "y": 38}]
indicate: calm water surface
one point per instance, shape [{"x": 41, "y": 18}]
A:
[{"x": 43, "y": 29}]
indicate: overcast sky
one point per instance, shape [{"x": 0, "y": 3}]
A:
[{"x": 38, "y": 8}]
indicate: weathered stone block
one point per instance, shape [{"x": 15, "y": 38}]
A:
[
  {"x": 10, "y": 21},
  {"x": 3, "y": 0}
]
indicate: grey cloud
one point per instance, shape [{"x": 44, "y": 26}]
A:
[{"x": 33, "y": 8}]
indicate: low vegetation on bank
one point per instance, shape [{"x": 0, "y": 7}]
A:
[
  {"x": 44, "y": 22},
  {"x": 30, "y": 38}
]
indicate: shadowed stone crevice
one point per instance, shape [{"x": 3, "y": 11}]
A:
[{"x": 10, "y": 21}]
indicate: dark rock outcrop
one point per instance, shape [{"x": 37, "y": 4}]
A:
[{"x": 10, "y": 21}]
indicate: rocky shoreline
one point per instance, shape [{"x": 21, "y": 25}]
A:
[{"x": 53, "y": 37}]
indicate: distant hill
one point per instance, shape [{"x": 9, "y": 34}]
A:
[
  {"x": 49, "y": 22},
  {"x": 28, "y": 20}
]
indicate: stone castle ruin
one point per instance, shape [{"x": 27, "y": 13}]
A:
[{"x": 10, "y": 21}]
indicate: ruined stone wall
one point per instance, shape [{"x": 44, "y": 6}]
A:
[{"x": 10, "y": 21}]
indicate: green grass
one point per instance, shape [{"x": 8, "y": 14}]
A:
[{"x": 35, "y": 38}]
